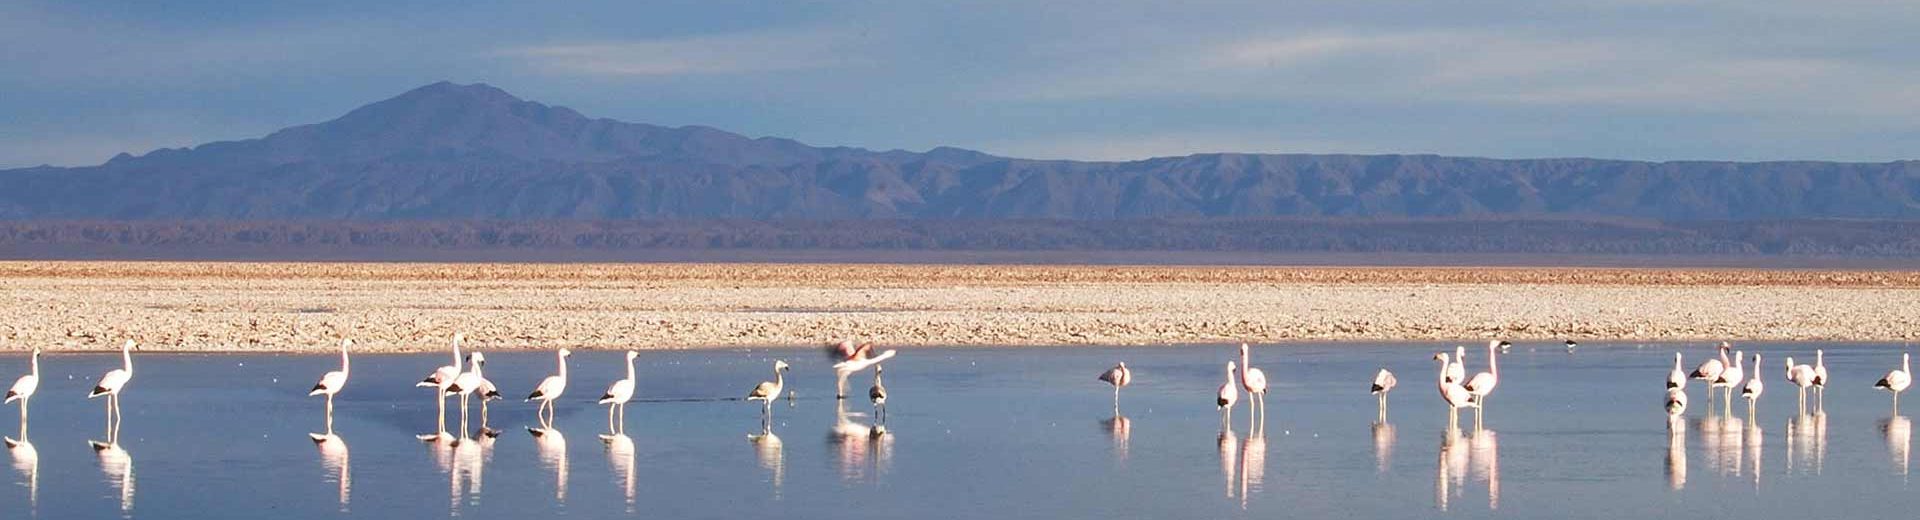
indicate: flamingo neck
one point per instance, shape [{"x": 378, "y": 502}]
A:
[
  {"x": 456, "y": 355},
  {"x": 345, "y": 364},
  {"x": 36, "y": 363},
  {"x": 126, "y": 359},
  {"x": 629, "y": 369},
  {"x": 1493, "y": 362},
  {"x": 563, "y": 365},
  {"x": 779, "y": 380},
  {"x": 1904, "y": 367},
  {"x": 1244, "y": 366}
]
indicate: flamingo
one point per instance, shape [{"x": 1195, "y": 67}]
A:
[
  {"x": 1118, "y": 376},
  {"x": 1453, "y": 394},
  {"x": 1457, "y": 370},
  {"x": 616, "y": 398},
  {"x": 1729, "y": 379},
  {"x": 1896, "y": 382},
  {"x": 465, "y": 385},
  {"x": 1254, "y": 381},
  {"x": 330, "y": 384},
  {"x": 1710, "y": 370},
  {"x": 1801, "y": 376},
  {"x": 22, "y": 391},
  {"x": 488, "y": 392},
  {"x": 549, "y": 390},
  {"x": 1481, "y": 384},
  {"x": 1820, "y": 376},
  {"x": 1383, "y": 382},
  {"x": 848, "y": 359},
  {"x": 439, "y": 380},
  {"x": 1228, "y": 395},
  {"x": 766, "y": 392},
  {"x": 1676, "y": 405},
  {"x": 110, "y": 385},
  {"x": 878, "y": 395},
  {"x": 1753, "y": 389},
  {"x": 1676, "y": 378}
]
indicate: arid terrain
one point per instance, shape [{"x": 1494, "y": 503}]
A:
[{"x": 411, "y": 307}]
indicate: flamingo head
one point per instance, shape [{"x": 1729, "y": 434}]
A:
[
  {"x": 1441, "y": 357},
  {"x": 1231, "y": 366},
  {"x": 777, "y": 364},
  {"x": 564, "y": 352},
  {"x": 631, "y": 354},
  {"x": 344, "y": 343}
]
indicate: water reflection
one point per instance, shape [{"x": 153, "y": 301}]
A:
[
  {"x": 620, "y": 459},
  {"x": 1676, "y": 454},
  {"x": 1806, "y": 443},
  {"x": 117, "y": 464},
  {"x": 26, "y": 460},
  {"x": 469, "y": 460},
  {"x": 1253, "y": 463},
  {"x": 1229, "y": 457},
  {"x": 1754, "y": 445},
  {"x": 1450, "y": 473},
  {"x": 552, "y": 447},
  {"x": 334, "y": 459},
  {"x": 881, "y": 441},
  {"x": 1722, "y": 436},
  {"x": 1899, "y": 431},
  {"x": 1120, "y": 428},
  {"x": 1383, "y": 437},
  {"x": 768, "y": 450},
  {"x": 848, "y": 440},
  {"x": 1485, "y": 455}
]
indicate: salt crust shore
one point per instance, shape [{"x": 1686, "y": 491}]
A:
[{"x": 394, "y": 307}]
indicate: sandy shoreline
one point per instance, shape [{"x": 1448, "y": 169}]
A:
[{"x": 394, "y": 307}]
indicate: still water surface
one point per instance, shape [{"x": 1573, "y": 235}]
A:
[{"x": 974, "y": 433}]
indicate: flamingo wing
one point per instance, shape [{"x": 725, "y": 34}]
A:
[
  {"x": 23, "y": 387},
  {"x": 548, "y": 389},
  {"x": 111, "y": 383},
  {"x": 331, "y": 382}
]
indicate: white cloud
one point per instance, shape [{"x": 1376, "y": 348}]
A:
[{"x": 696, "y": 55}]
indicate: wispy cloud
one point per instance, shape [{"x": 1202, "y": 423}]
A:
[{"x": 696, "y": 55}]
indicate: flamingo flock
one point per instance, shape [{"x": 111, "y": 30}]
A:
[{"x": 466, "y": 378}]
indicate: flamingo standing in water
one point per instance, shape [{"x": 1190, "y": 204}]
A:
[
  {"x": 465, "y": 385},
  {"x": 1457, "y": 369},
  {"x": 549, "y": 390},
  {"x": 1254, "y": 381},
  {"x": 849, "y": 358},
  {"x": 1452, "y": 393},
  {"x": 1384, "y": 382},
  {"x": 616, "y": 398},
  {"x": 1481, "y": 384},
  {"x": 439, "y": 380},
  {"x": 1118, "y": 376},
  {"x": 1820, "y": 377},
  {"x": 877, "y": 394},
  {"x": 22, "y": 391},
  {"x": 766, "y": 392},
  {"x": 1729, "y": 379},
  {"x": 330, "y": 384},
  {"x": 1228, "y": 395},
  {"x": 1802, "y": 377},
  {"x": 1676, "y": 378},
  {"x": 1710, "y": 370},
  {"x": 1897, "y": 381},
  {"x": 1753, "y": 388},
  {"x": 110, "y": 385}
]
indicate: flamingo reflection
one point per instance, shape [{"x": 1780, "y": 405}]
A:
[
  {"x": 1485, "y": 456},
  {"x": 117, "y": 464},
  {"x": 334, "y": 458},
  {"x": 849, "y": 442},
  {"x": 1677, "y": 454},
  {"x": 1451, "y": 471},
  {"x": 1383, "y": 437},
  {"x": 1754, "y": 438},
  {"x": 552, "y": 446},
  {"x": 768, "y": 450},
  {"x": 469, "y": 462},
  {"x": 1253, "y": 463},
  {"x": 1120, "y": 428},
  {"x": 1899, "y": 431},
  {"x": 620, "y": 459},
  {"x": 1229, "y": 457},
  {"x": 26, "y": 460}
]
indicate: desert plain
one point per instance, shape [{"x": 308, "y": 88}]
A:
[{"x": 405, "y": 307}]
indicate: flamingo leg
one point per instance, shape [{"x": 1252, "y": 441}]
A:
[
  {"x": 463, "y": 416},
  {"x": 329, "y": 414},
  {"x": 440, "y": 405},
  {"x": 610, "y": 430},
  {"x": 23, "y": 417}
]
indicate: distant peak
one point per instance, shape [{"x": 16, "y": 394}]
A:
[{"x": 448, "y": 89}]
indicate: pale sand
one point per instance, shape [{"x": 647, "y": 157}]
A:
[{"x": 418, "y": 307}]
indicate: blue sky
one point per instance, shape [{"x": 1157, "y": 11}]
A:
[{"x": 1114, "y": 79}]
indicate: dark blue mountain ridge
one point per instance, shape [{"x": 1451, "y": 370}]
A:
[{"x": 448, "y": 151}]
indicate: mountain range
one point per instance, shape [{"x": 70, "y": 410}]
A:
[{"x": 452, "y": 152}]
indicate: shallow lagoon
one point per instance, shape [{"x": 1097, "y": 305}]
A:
[{"x": 974, "y": 433}]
